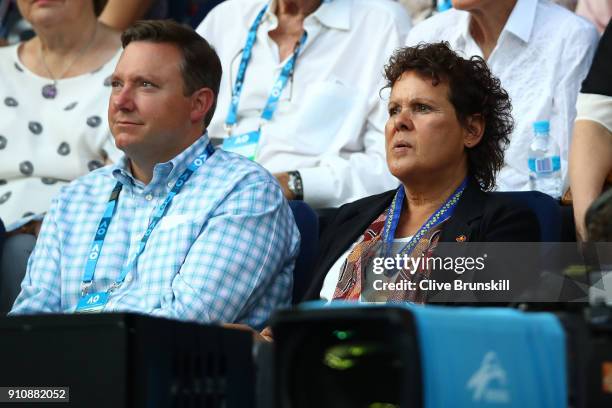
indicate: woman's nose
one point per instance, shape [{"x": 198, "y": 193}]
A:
[{"x": 403, "y": 121}]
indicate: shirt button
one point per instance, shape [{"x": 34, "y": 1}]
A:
[
  {"x": 148, "y": 197},
  {"x": 169, "y": 185},
  {"x": 128, "y": 278}
]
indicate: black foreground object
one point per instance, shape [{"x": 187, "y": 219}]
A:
[{"x": 128, "y": 360}]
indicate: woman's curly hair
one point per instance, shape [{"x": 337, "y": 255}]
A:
[
  {"x": 99, "y": 6},
  {"x": 473, "y": 90}
]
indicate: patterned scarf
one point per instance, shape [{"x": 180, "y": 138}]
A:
[{"x": 357, "y": 267}]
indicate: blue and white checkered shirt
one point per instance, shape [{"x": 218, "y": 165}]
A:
[{"x": 224, "y": 252}]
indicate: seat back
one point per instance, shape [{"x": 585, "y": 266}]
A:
[
  {"x": 546, "y": 209},
  {"x": 308, "y": 224},
  {"x": 2, "y": 234}
]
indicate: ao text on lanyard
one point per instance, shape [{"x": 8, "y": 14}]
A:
[
  {"x": 279, "y": 84},
  {"x": 159, "y": 213}
]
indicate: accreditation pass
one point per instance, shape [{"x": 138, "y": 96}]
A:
[{"x": 34, "y": 394}]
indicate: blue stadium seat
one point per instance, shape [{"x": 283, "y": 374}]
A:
[
  {"x": 308, "y": 224},
  {"x": 546, "y": 208},
  {"x": 2, "y": 233}
]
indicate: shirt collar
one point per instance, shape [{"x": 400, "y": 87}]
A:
[
  {"x": 463, "y": 26},
  {"x": 520, "y": 23},
  {"x": 521, "y": 20},
  {"x": 331, "y": 13},
  {"x": 162, "y": 172}
]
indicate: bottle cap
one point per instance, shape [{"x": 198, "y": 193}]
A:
[
  {"x": 542, "y": 126},
  {"x": 444, "y": 5}
]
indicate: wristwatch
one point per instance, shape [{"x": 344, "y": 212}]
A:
[{"x": 295, "y": 185}]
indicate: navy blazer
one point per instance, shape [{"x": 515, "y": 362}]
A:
[{"x": 479, "y": 216}]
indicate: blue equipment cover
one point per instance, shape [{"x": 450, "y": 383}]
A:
[{"x": 491, "y": 357}]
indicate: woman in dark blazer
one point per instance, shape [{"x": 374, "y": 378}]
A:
[{"x": 449, "y": 122}]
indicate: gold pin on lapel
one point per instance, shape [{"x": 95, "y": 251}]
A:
[{"x": 461, "y": 238}]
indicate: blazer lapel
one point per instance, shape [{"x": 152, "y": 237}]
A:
[
  {"x": 461, "y": 227},
  {"x": 350, "y": 224},
  {"x": 469, "y": 208}
]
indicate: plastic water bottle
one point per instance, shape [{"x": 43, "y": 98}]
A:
[
  {"x": 544, "y": 161},
  {"x": 443, "y": 5}
]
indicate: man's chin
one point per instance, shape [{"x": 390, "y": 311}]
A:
[
  {"x": 124, "y": 141},
  {"x": 125, "y": 145}
]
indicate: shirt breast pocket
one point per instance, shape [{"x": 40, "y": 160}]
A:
[
  {"x": 323, "y": 113},
  {"x": 174, "y": 237}
]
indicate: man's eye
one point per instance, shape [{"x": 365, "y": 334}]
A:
[
  {"x": 393, "y": 110},
  {"x": 147, "y": 84},
  {"x": 115, "y": 84}
]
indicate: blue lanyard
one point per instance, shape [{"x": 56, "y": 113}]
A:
[
  {"x": 279, "y": 84},
  {"x": 439, "y": 216},
  {"x": 111, "y": 207}
]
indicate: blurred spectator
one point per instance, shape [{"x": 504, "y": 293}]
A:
[
  {"x": 12, "y": 27},
  {"x": 54, "y": 98},
  {"x": 598, "y": 12},
  {"x": 541, "y": 52},
  {"x": 4, "y": 12},
  {"x": 568, "y": 4},
  {"x": 200, "y": 9},
  {"x": 591, "y": 152},
  {"x": 599, "y": 218},
  {"x": 54, "y": 93},
  {"x": 321, "y": 132},
  {"x": 419, "y": 10},
  {"x": 120, "y": 14}
]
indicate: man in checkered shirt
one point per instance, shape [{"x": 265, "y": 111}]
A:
[{"x": 175, "y": 228}]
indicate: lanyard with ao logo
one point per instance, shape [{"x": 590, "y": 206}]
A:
[
  {"x": 96, "y": 301},
  {"x": 246, "y": 144}
]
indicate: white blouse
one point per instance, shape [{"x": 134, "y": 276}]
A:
[{"x": 47, "y": 142}]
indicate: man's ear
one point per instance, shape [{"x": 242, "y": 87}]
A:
[
  {"x": 475, "y": 127},
  {"x": 202, "y": 101}
]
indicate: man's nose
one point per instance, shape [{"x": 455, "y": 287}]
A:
[{"x": 123, "y": 99}]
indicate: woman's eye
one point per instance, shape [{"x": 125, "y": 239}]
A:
[
  {"x": 419, "y": 107},
  {"x": 147, "y": 84},
  {"x": 393, "y": 110},
  {"x": 115, "y": 84}
]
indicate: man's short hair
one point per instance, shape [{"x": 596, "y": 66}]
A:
[{"x": 201, "y": 67}]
